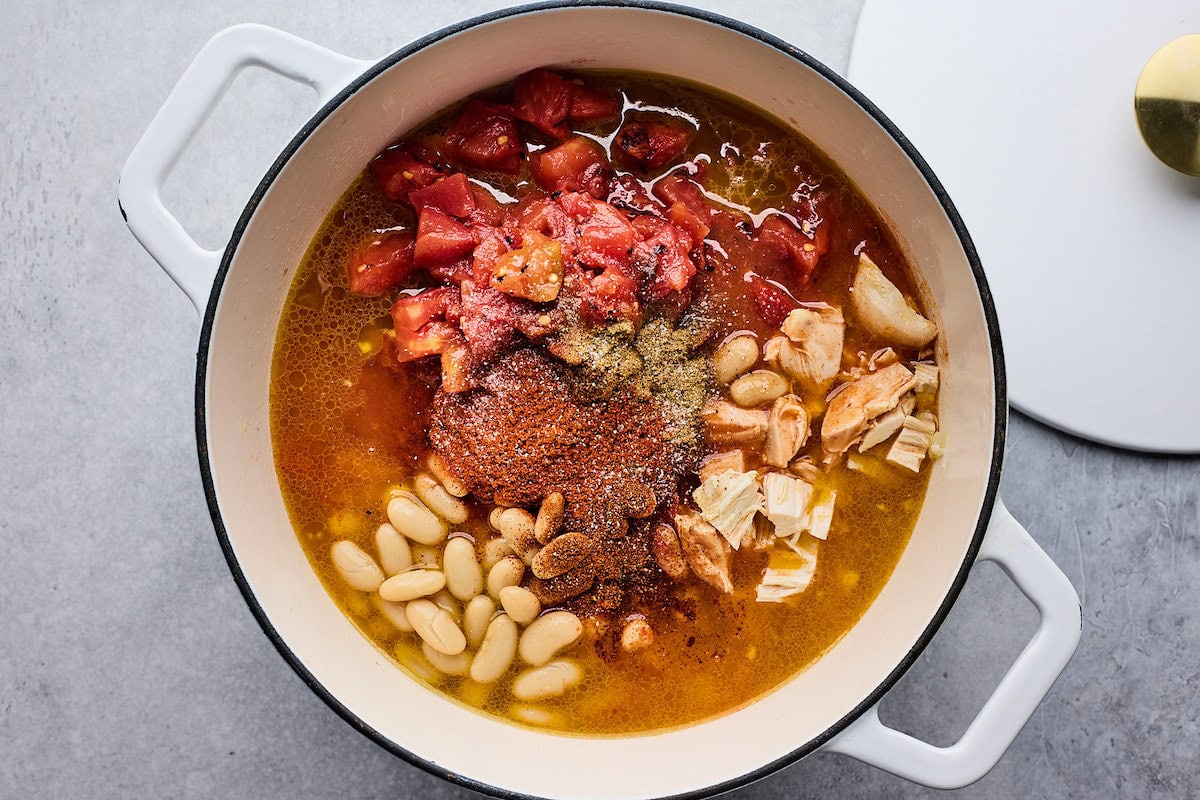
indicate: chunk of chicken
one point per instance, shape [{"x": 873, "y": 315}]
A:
[
  {"x": 717, "y": 463},
  {"x": 884, "y": 427},
  {"x": 913, "y": 443},
  {"x": 853, "y": 408},
  {"x": 790, "y": 575},
  {"x": 881, "y": 309},
  {"x": 787, "y": 431},
  {"x": 786, "y": 504},
  {"x": 726, "y": 423},
  {"x": 729, "y": 502},
  {"x": 706, "y": 552},
  {"x": 812, "y": 352}
]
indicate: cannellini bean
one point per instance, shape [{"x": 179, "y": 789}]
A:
[
  {"x": 536, "y": 715},
  {"x": 395, "y": 555},
  {"x": 637, "y": 635},
  {"x": 494, "y": 550},
  {"x": 520, "y": 604},
  {"x": 507, "y": 572},
  {"x": 735, "y": 355},
  {"x": 444, "y": 599},
  {"x": 455, "y": 666},
  {"x": 356, "y": 566},
  {"x": 416, "y": 663},
  {"x": 549, "y": 517},
  {"x": 497, "y": 651},
  {"x": 494, "y": 517},
  {"x": 562, "y": 554},
  {"x": 409, "y": 516},
  {"x": 549, "y": 635},
  {"x": 517, "y": 527},
  {"x": 435, "y": 626},
  {"x": 448, "y": 480},
  {"x": 439, "y": 501},
  {"x": 412, "y": 584},
  {"x": 758, "y": 387},
  {"x": 476, "y": 617},
  {"x": 393, "y": 613},
  {"x": 464, "y": 578},
  {"x": 550, "y": 680}
]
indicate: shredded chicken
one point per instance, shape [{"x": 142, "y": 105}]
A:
[
  {"x": 779, "y": 583},
  {"x": 881, "y": 309},
  {"x": 717, "y": 463},
  {"x": 926, "y": 377},
  {"x": 726, "y": 423},
  {"x": 805, "y": 469},
  {"x": 913, "y": 443},
  {"x": 855, "y": 405},
  {"x": 882, "y": 429},
  {"x": 812, "y": 352},
  {"x": 882, "y": 358},
  {"x": 786, "y": 502},
  {"x": 706, "y": 552},
  {"x": 820, "y": 516},
  {"x": 729, "y": 502},
  {"x": 787, "y": 430}
]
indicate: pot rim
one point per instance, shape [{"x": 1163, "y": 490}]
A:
[{"x": 985, "y": 296}]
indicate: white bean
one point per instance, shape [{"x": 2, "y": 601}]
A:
[
  {"x": 508, "y": 571},
  {"x": 497, "y": 651},
  {"x": 517, "y": 527},
  {"x": 520, "y": 604},
  {"x": 758, "y": 387},
  {"x": 456, "y": 665},
  {"x": 435, "y": 626},
  {"x": 476, "y": 617},
  {"x": 410, "y": 516},
  {"x": 416, "y": 663},
  {"x": 536, "y": 715},
  {"x": 356, "y": 566},
  {"x": 494, "y": 517},
  {"x": 464, "y": 578},
  {"x": 395, "y": 555},
  {"x": 735, "y": 355},
  {"x": 394, "y": 613},
  {"x": 451, "y": 483},
  {"x": 412, "y": 584},
  {"x": 549, "y": 635},
  {"x": 551, "y": 680},
  {"x": 444, "y": 599},
  {"x": 494, "y": 550},
  {"x": 439, "y": 501}
]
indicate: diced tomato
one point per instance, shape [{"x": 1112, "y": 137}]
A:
[
  {"x": 780, "y": 239},
  {"x": 534, "y": 271},
  {"x": 578, "y": 205},
  {"x": 543, "y": 215},
  {"x": 486, "y": 136},
  {"x": 543, "y": 99},
  {"x": 576, "y": 165},
  {"x": 665, "y": 252},
  {"x": 431, "y": 339},
  {"x": 488, "y": 319},
  {"x": 626, "y": 191},
  {"x": 457, "y": 366},
  {"x": 450, "y": 195},
  {"x": 589, "y": 104},
  {"x": 606, "y": 239},
  {"x": 398, "y": 172},
  {"x": 677, "y": 188},
  {"x": 773, "y": 302},
  {"x": 609, "y": 297},
  {"x": 650, "y": 145},
  {"x": 488, "y": 210},
  {"x": 491, "y": 246},
  {"x": 686, "y": 219},
  {"x": 441, "y": 239},
  {"x": 411, "y": 311},
  {"x": 381, "y": 264}
]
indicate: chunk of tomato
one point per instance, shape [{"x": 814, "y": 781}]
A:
[
  {"x": 683, "y": 217},
  {"x": 676, "y": 188},
  {"x": 606, "y": 239},
  {"x": 410, "y": 312},
  {"x": 381, "y": 263},
  {"x": 543, "y": 99},
  {"x": 609, "y": 297},
  {"x": 773, "y": 302},
  {"x": 650, "y": 145},
  {"x": 626, "y": 191},
  {"x": 488, "y": 319},
  {"x": 778, "y": 238},
  {"x": 486, "y": 136},
  {"x": 451, "y": 195},
  {"x": 441, "y": 239},
  {"x": 588, "y": 104},
  {"x": 576, "y": 165},
  {"x": 398, "y": 171},
  {"x": 666, "y": 253},
  {"x": 534, "y": 271},
  {"x": 488, "y": 210},
  {"x": 432, "y": 338}
]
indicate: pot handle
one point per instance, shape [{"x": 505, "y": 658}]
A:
[
  {"x": 1020, "y": 691},
  {"x": 189, "y": 104}
]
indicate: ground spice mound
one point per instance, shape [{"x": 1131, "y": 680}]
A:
[{"x": 523, "y": 434}]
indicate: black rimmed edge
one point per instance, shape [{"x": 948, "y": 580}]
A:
[{"x": 985, "y": 295}]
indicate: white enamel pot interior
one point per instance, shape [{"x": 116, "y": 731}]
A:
[{"x": 834, "y": 696}]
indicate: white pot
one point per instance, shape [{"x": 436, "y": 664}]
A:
[{"x": 366, "y": 105}]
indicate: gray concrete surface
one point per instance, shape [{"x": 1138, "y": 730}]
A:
[{"x": 129, "y": 666}]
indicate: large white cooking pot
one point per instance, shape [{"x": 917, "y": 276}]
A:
[{"x": 366, "y": 105}]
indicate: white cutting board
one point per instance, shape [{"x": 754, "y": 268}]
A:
[{"x": 1024, "y": 109}]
